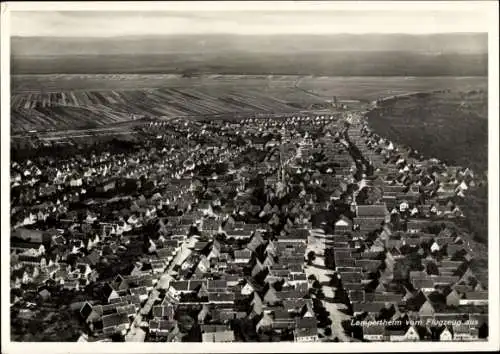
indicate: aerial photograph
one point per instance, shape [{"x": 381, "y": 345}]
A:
[{"x": 248, "y": 176}]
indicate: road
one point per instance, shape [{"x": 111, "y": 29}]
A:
[
  {"x": 318, "y": 269},
  {"x": 136, "y": 333}
]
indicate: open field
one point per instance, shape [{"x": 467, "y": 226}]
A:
[
  {"x": 81, "y": 105},
  {"x": 354, "y": 87},
  {"x": 372, "y": 88},
  {"x": 41, "y": 102},
  {"x": 99, "y": 82}
]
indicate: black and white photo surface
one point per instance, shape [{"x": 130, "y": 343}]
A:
[{"x": 282, "y": 175}]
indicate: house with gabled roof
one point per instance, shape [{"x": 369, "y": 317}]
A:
[
  {"x": 377, "y": 246},
  {"x": 426, "y": 309},
  {"x": 369, "y": 265},
  {"x": 374, "y": 210},
  {"x": 425, "y": 283},
  {"x": 204, "y": 313},
  {"x": 374, "y": 333},
  {"x": 367, "y": 307},
  {"x": 115, "y": 323},
  {"x": 464, "y": 333},
  {"x": 242, "y": 256},
  {"x": 452, "y": 297},
  {"x": 299, "y": 306},
  {"x": 248, "y": 288},
  {"x": 221, "y": 297},
  {"x": 415, "y": 225},
  {"x": 90, "y": 313},
  {"x": 306, "y": 330},
  {"x": 444, "y": 279},
  {"x": 140, "y": 291},
  {"x": 476, "y": 298},
  {"x": 256, "y": 305},
  {"x": 445, "y": 333},
  {"x": 343, "y": 225},
  {"x": 270, "y": 296},
  {"x": 217, "y": 285},
  {"x": 109, "y": 293},
  {"x": 163, "y": 311},
  {"x": 219, "y": 334},
  {"x": 387, "y": 297},
  {"x": 164, "y": 328},
  {"x": 356, "y": 296},
  {"x": 257, "y": 268}
]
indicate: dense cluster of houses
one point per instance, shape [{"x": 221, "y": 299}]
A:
[
  {"x": 402, "y": 259},
  {"x": 210, "y": 241}
]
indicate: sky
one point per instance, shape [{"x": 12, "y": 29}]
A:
[{"x": 254, "y": 22}]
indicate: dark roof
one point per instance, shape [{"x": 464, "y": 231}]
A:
[
  {"x": 216, "y": 284},
  {"x": 115, "y": 319},
  {"x": 442, "y": 279},
  {"x": 351, "y": 277},
  {"x": 24, "y": 245},
  {"x": 127, "y": 310},
  {"x": 242, "y": 254},
  {"x": 356, "y": 296},
  {"x": 86, "y": 310},
  {"x": 93, "y": 258},
  {"x": 417, "y": 223},
  {"x": 420, "y": 283},
  {"x": 107, "y": 290},
  {"x": 373, "y": 329},
  {"x": 222, "y": 336},
  {"x": 221, "y": 297},
  {"x": 162, "y": 325},
  {"x": 375, "y": 210},
  {"x": 387, "y": 297},
  {"x": 138, "y": 291},
  {"x": 345, "y": 263},
  {"x": 368, "y": 222},
  {"x": 160, "y": 311},
  {"x": 306, "y": 331},
  {"x": 476, "y": 295},
  {"x": 370, "y": 307},
  {"x": 368, "y": 264},
  {"x": 353, "y": 286},
  {"x": 213, "y": 328},
  {"x": 296, "y": 304}
]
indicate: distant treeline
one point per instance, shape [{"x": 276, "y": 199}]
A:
[{"x": 239, "y": 63}]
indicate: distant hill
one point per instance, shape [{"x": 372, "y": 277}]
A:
[
  {"x": 456, "y": 54},
  {"x": 222, "y": 43},
  {"x": 320, "y": 63}
]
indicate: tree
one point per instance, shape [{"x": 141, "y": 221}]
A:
[
  {"x": 330, "y": 258},
  {"x": 311, "y": 256},
  {"x": 117, "y": 338},
  {"x": 334, "y": 281},
  {"x": 185, "y": 323}
]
